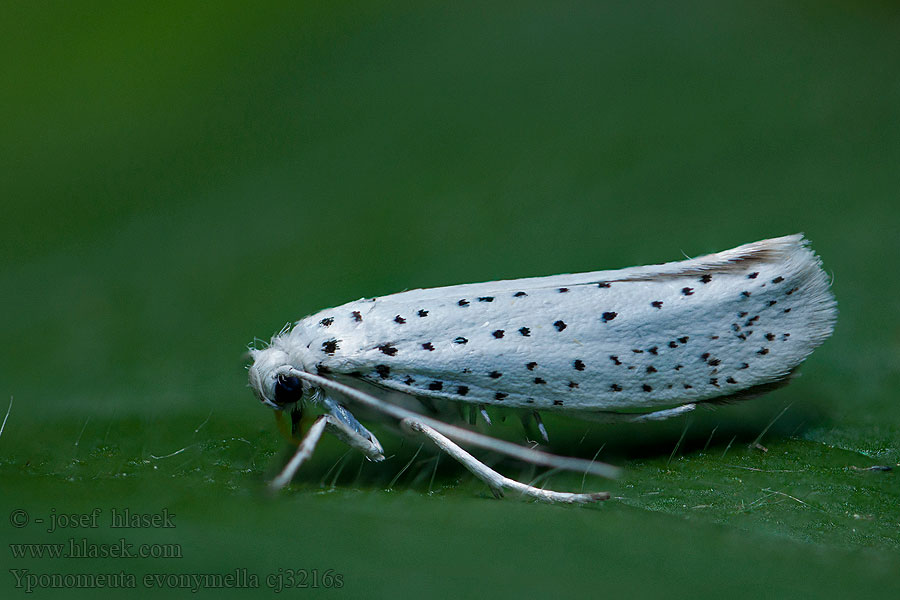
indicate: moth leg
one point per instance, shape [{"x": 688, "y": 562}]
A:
[
  {"x": 351, "y": 432},
  {"x": 535, "y": 418},
  {"x": 304, "y": 451},
  {"x": 367, "y": 444},
  {"x": 662, "y": 415},
  {"x": 369, "y": 447},
  {"x": 613, "y": 417},
  {"x": 494, "y": 480}
]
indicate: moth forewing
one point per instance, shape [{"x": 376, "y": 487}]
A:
[
  {"x": 651, "y": 338},
  {"x": 641, "y": 337}
]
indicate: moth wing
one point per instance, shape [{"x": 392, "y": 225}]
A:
[{"x": 636, "y": 338}]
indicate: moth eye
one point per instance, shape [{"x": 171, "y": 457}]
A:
[{"x": 287, "y": 390}]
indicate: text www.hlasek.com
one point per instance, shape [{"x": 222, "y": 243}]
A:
[{"x": 81, "y": 548}]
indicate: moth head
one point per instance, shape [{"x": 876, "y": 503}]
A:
[{"x": 271, "y": 378}]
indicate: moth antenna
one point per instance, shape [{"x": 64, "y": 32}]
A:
[{"x": 464, "y": 436}]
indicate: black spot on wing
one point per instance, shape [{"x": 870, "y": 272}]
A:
[{"x": 388, "y": 349}]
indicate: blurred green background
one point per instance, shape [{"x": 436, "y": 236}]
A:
[{"x": 181, "y": 178}]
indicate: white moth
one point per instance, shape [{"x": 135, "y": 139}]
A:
[{"x": 640, "y": 343}]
